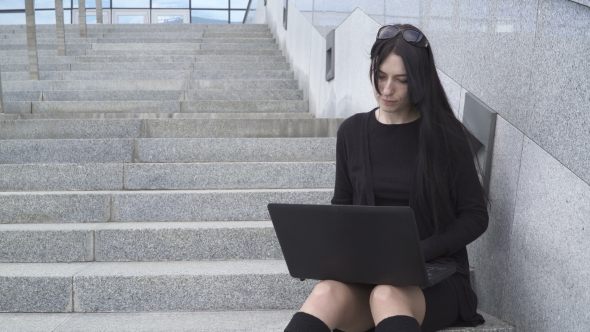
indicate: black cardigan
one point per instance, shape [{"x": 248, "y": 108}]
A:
[{"x": 354, "y": 186}]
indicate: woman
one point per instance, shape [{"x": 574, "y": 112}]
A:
[{"x": 411, "y": 150}]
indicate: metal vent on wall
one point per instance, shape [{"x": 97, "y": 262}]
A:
[
  {"x": 285, "y": 13},
  {"x": 330, "y": 53},
  {"x": 480, "y": 120}
]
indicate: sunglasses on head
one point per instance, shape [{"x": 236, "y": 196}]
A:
[{"x": 412, "y": 36}]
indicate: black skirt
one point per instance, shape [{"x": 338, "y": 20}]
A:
[{"x": 442, "y": 306}]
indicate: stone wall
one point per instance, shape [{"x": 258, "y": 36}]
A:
[{"x": 527, "y": 60}]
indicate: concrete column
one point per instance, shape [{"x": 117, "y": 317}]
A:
[
  {"x": 98, "y": 11},
  {"x": 59, "y": 26},
  {"x": 82, "y": 17},
  {"x": 32, "y": 39}
]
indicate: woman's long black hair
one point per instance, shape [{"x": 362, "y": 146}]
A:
[{"x": 440, "y": 130}]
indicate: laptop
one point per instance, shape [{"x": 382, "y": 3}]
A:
[{"x": 354, "y": 244}]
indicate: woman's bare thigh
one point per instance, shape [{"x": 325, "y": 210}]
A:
[{"x": 341, "y": 306}]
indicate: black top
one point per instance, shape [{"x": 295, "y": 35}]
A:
[{"x": 386, "y": 155}]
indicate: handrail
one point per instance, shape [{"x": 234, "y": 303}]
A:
[{"x": 247, "y": 11}]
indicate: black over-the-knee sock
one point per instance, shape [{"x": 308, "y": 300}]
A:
[
  {"x": 304, "y": 322},
  {"x": 398, "y": 324}
]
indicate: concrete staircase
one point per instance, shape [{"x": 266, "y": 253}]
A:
[{"x": 134, "y": 178}]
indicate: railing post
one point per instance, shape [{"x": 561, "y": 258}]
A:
[
  {"x": 32, "y": 39},
  {"x": 247, "y": 11},
  {"x": 82, "y": 17},
  {"x": 59, "y": 26},
  {"x": 98, "y": 11}
]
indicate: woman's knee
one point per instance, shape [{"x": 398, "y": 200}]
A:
[
  {"x": 398, "y": 300},
  {"x": 390, "y": 295},
  {"x": 329, "y": 292}
]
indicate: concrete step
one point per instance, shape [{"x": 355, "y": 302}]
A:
[
  {"x": 144, "y": 58},
  {"x": 68, "y": 151},
  {"x": 172, "y": 39},
  {"x": 243, "y": 84},
  {"x": 195, "y": 321},
  {"x": 75, "y": 28},
  {"x": 143, "y": 34},
  {"x": 99, "y": 95},
  {"x": 190, "y": 34},
  {"x": 145, "y": 95},
  {"x": 185, "y": 52},
  {"x": 160, "y": 66},
  {"x": 206, "y": 73},
  {"x": 44, "y": 107},
  {"x": 245, "y": 106},
  {"x": 242, "y": 73},
  {"x": 236, "y": 175},
  {"x": 198, "y": 66},
  {"x": 23, "y": 59},
  {"x": 150, "y": 27},
  {"x": 194, "y": 128},
  {"x": 24, "y": 67},
  {"x": 53, "y": 46},
  {"x": 231, "y": 34},
  {"x": 201, "y": 321},
  {"x": 167, "y": 128},
  {"x": 157, "y": 46},
  {"x": 203, "y": 106},
  {"x": 233, "y": 115},
  {"x": 118, "y": 85},
  {"x": 150, "y": 286},
  {"x": 138, "y": 242},
  {"x": 149, "y": 40},
  {"x": 40, "y": 53},
  {"x": 251, "y": 94},
  {"x": 91, "y": 52},
  {"x": 148, "y": 206},
  {"x": 239, "y": 46},
  {"x": 168, "y": 176},
  {"x": 47, "y": 40},
  {"x": 167, "y": 150}
]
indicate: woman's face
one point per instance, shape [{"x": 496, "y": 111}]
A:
[{"x": 393, "y": 84}]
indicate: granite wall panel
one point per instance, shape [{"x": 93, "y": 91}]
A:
[
  {"x": 559, "y": 120},
  {"x": 490, "y": 253},
  {"x": 546, "y": 283},
  {"x": 354, "y": 39},
  {"x": 453, "y": 91}
]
